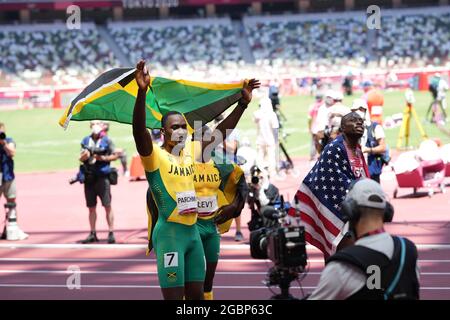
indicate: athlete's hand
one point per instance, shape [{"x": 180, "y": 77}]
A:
[
  {"x": 142, "y": 76},
  {"x": 247, "y": 91},
  {"x": 225, "y": 213}
]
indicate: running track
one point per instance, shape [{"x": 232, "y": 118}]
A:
[{"x": 53, "y": 213}]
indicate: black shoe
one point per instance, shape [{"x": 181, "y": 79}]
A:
[
  {"x": 92, "y": 237},
  {"x": 111, "y": 238}
]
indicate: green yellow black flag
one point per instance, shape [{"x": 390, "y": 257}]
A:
[{"x": 112, "y": 96}]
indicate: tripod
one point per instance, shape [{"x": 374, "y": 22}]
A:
[
  {"x": 409, "y": 112},
  {"x": 285, "y": 162},
  {"x": 438, "y": 113},
  {"x": 283, "y": 277}
]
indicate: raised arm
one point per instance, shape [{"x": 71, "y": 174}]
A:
[
  {"x": 142, "y": 137},
  {"x": 231, "y": 121}
]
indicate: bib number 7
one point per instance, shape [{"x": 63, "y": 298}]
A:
[{"x": 170, "y": 259}]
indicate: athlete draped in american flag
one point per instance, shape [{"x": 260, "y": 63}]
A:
[{"x": 325, "y": 187}]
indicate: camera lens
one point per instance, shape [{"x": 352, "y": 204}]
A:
[
  {"x": 2, "y": 135},
  {"x": 255, "y": 180}
]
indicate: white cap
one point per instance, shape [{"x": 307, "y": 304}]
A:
[
  {"x": 338, "y": 95},
  {"x": 96, "y": 129},
  {"x": 329, "y": 93},
  {"x": 368, "y": 193},
  {"x": 359, "y": 103},
  {"x": 338, "y": 110}
]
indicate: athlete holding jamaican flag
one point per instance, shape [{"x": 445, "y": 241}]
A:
[
  {"x": 169, "y": 170},
  {"x": 221, "y": 194}
]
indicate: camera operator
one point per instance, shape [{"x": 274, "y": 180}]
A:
[
  {"x": 267, "y": 125},
  {"x": 322, "y": 119},
  {"x": 7, "y": 177},
  {"x": 96, "y": 155},
  {"x": 347, "y": 274},
  {"x": 262, "y": 196},
  {"x": 332, "y": 129}
]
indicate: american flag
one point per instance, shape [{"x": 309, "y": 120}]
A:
[{"x": 320, "y": 196}]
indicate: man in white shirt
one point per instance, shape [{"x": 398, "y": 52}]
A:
[
  {"x": 442, "y": 89},
  {"x": 322, "y": 117},
  {"x": 352, "y": 272},
  {"x": 267, "y": 136}
]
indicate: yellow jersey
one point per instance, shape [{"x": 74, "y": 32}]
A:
[
  {"x": 171, "y": 183},
  {"x": 206, "y": 182}
]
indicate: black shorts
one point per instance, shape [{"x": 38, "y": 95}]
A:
[{"x": 100, "y": 188}]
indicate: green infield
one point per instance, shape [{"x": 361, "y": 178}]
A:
[{"x": 42, "y": 145}]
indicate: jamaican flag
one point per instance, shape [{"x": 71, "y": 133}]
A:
[{"x": 112, "y": 96}]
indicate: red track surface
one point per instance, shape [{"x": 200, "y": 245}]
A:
[{"x": 53, "y": 212}]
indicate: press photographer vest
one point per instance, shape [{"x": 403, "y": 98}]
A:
[
  {"x": 398, "y": 280},
  {"x": 6, "y": 164},
  {"x": 100, "y": 168}
]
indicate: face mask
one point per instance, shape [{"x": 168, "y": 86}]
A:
[
  {"x": 96, "y": 129},
  {"x": 179, "y": 135},
  {"x": 329, "y": 101}
]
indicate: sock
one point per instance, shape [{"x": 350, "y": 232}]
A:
[{"x": 208, "y": 295}]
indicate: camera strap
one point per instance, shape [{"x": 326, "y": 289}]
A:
[{"x": 399, "y": 272}]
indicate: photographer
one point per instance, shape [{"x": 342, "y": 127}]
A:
[
  {"x": 349, "y": 273},
  {"x": 267, "y": 135},
  {"x": 7, "y": 177},
  {"x": 261, "y": 198},
  {"x": 96, "y": 155},
  {"x": 332, "y": 129},
  {"x": 322, "y": 119}
]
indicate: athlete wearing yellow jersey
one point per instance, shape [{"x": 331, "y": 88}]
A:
[
  {"x": 169, "y": 170},
  {"x": 209, "y": 182}
]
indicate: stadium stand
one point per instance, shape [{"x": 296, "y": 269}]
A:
[
  {"x": 51, "y": 52},
  {"x": 174, "y": 45},
  {"x": 307, "y": 41},
  {"x": 282, "y": 46},
  {"x": 416, "y": 39}
]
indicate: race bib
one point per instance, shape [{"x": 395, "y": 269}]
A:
[
  {"x": 206, "y": 205},
  {"x": 186, "y": 202},
  {"x": 170, "y": 259},
  {"x": 377, "y": 110}
]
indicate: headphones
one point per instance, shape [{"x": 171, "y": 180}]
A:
[{"x": 350, "y": 210}]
